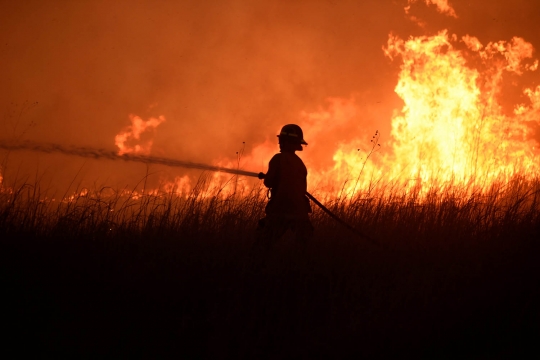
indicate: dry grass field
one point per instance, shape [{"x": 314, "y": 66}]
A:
[{"x": 451, "y": 273}]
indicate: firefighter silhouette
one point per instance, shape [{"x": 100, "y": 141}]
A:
[{"x": 288, "y": 207}]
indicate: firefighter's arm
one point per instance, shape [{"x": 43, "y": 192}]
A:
[{"x": 271, "y": 177}]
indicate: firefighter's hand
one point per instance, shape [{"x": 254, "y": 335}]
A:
[{"x": 261, "y": 175}]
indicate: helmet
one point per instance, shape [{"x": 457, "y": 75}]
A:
[{"x": 292, "y": 133}]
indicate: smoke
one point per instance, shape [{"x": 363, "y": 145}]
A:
[
  {"x": 220, "y": 72},
  {"x": 442, "y": 6},
  {"x": 111, "y": 155}
]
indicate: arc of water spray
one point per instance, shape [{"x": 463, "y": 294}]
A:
[
  {"x": 111, "y": 155},
  {"x": 95, "y": 153}
]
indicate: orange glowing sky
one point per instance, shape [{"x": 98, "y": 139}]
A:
[{"x": 220, "y": 72}]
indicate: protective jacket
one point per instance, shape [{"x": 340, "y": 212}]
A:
[{"x": 287, "y": 180}]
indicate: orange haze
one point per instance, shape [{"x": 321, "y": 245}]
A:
[{"x": 449, "y": 88}]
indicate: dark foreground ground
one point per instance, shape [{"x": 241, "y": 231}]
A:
[{"x": 172, "y": 295}]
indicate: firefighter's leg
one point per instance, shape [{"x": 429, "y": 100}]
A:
[
  {"x": 269, "y": 230},
  {"x": 303, "y": 234},
  {"x": 303, "y": 231}
]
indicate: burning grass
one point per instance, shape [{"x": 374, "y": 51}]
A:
[{"x": 119, "y": 272}]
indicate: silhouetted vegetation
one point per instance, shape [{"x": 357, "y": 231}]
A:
[{"x": 454, "y": 272}]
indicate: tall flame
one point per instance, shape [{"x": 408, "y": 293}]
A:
[{"x": 452, "y": 127}]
